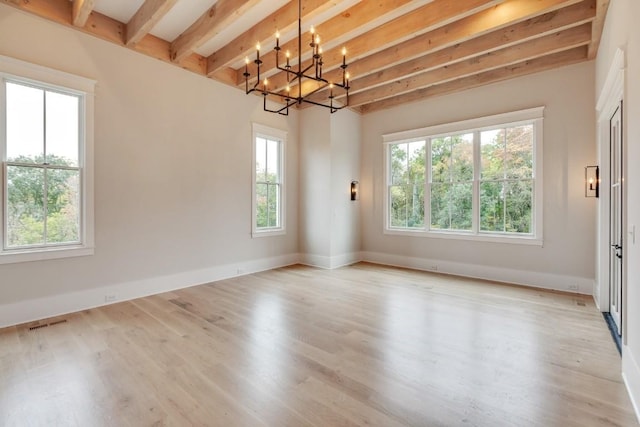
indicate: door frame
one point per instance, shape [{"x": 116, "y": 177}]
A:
[{"x": 609, "y": 100}]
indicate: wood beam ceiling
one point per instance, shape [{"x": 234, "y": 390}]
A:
[
  {"x": 81, "y": 10},
  {"x": 147, "y": 16},
  {"x": 466, "y": 39},
  {"x": 398, "y": 50},
  {"x": 217, "y": 18}
]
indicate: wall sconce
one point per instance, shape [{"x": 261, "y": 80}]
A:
[
  {"x": 592, "y": 181},
  {"x": 354, "y": 190}
]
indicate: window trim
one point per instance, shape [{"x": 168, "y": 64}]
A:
[
  {"x": 533, "y": 116},
  {"x": 258, "y": 130},
  {"x": 36, "y": 75}
]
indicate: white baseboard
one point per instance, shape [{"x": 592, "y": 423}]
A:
[
  {"x": 332, "y": 262},
  {"x": 536, "y": 279},
  {"x": 56, "y": 305},
  {"x": 631, "y": 377}
]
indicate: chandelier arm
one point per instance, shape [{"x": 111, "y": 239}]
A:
[
  {"x": 283, "y": 111},
  {"x": 332, "y": 107}
]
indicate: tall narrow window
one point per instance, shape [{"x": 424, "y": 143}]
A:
[
  {"x": 268, "y": 184},
  {"x": 46, "y": 208},
  {"x": 43, "y": 172},
  {"x": 452, "y": 182},
  {"x": 406, "y": 185},
  {"x": 506, "y": 180}
]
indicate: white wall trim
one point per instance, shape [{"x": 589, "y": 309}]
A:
[
  {"x": 581, "y": 285},
  {"x": 509, "y": 118},
  {"x": 631, "y": 377},
  {"x": 55, "y": 305},
  {"x": 329, "y": 263},
  {"x": 613, "y": 83},
  {"x": 608, "y": 100}
]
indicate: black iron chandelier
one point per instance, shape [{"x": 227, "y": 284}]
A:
[{"x": 313, "y": 72}]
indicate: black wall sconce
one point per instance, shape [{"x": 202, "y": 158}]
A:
[
  {"x": 592, "y": 181},
  {"x": 354, "y": 190}
]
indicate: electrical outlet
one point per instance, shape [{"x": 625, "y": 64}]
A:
[
  {"x": 240, "y": 271},
  {"x": 433, "y": 268},
  {"x": 573, "y": 287},
  {"x": 109, "y": 298}
]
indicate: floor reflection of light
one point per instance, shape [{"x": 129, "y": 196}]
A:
[
  {"x": 268, "y": 330},
  {"x": 466, "y": 355},
  {"x": 62, "y": 396}
]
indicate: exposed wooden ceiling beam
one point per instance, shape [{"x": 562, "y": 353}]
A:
[
  {"x": 108, "y": 29},
  {"x": 352, "y": 18},
  {"x": 564, "y": 40},
  {"x": 598, "y": 25},
  {"x": 81, "y": 10},
  {"x": 217, "y": 18},
  {"x": 432, "y": 15},
  {"x": 537, "y": 26},
  {"x": 145, "y": 19},
  {"x": 283, "y": 20},
  {"x": 544, "y": 63}
]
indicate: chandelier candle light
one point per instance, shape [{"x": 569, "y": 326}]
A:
[{"x": 313, "y": 73}]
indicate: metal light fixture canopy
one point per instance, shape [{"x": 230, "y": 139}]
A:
[{"x": 313, "y": 72}]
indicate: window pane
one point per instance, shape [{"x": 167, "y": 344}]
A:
[
  {"x": 440, "y": 159},
  {"x": 440, "y": 212},
  {"x": 398, "y": 208},
  {"x": 398, "y": 164},
  {"x": 416, "y": 164},
  {"x": 492, "y": 145},
  {"x": 451, "y": 206},
  {"x": 492, "y": 206},
  {"x": 62, "y": 129},
  {"x": 63, "y": 206},
  {"x": 407, "y": 206},
  {"x": 519, "y": 200},
  {"x": 25, "y": 123},
  {"x": 461, "y": 198},
  {"x": 273, "y": 159},
  {"x": 519, "y": 152},
  {"x": 274, "y": 196},
  {"x": 261, "y": 206},
  {"x": 261, "y": 160},
  {"x": 25, "y": 207},
  {"x": 462, "y": 157}
]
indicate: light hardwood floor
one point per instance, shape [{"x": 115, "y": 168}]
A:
[{"x": 297, "y": 346}]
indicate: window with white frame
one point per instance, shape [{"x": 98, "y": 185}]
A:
[
  {"x": 268, "y": 180},
  {"x": 46, "y": 119},
  {"x": 477, "y": 179}
]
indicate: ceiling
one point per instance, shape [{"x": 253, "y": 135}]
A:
[{"x": 398, "y": 51}]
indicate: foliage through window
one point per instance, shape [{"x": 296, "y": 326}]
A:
[
  {"x": 43, "y": 147},
  {"x": 42, "y": 167},
  {"x": 480, "y": 181},
  {"x": 268, "y": 182}
]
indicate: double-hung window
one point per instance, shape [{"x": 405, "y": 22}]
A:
[
  {"x": 46, "y": 208},
  {"x": 478, "y": 179},
  {"x": 268, "y": 181}
]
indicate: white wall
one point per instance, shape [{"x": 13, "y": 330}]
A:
[
  {"x": 567, "y": 258},
  {"x": 172, "y": 176},
  {"x": 622, "y": 31},
  {"x": 329, "y": 161},
  {"x": 315, "y": 186},
  {"x": 345, "y": 167}
]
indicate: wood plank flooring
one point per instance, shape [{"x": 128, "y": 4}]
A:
[{"x": 297, "y": 346}]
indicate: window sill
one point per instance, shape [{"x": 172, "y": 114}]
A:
[
  {"x": 268, "y": 233},
  {"x": 491, "y": 238},
  {"x": 26, "y": 255}
]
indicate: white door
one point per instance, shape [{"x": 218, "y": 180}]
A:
[{"x": 615, "y": 233}]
